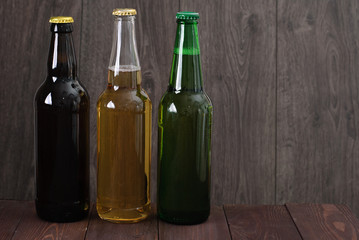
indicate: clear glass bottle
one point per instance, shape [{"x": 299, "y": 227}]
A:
[
  {"x": 124, "y": 131},
  {"x": 62, "y": 133},
  {"x": 184, "y": 132}
]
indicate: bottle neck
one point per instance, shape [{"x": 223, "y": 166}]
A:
[
  {"x": 186, "y": 74},
  {"x": 124, "y": 59},
  {"x": 62, "y": 59}
]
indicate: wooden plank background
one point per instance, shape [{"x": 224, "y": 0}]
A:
[
  {"x": 282, "y": 75},
  {"x": 317, "y": 96}
]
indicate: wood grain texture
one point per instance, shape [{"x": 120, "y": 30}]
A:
[
  {"x": 155, "y": 33},
  {"x": 237, "y": 40},
  {"x": 349, "y": 215},
  {"x": 214, "y": 228},
  {"x": 260, "y": 222},
  {"x": 18, "y": 220},
  {"x": 24, "y": 44},
  {"x": 146, "y": 230},
  {"x": 32, "y": 227},
  {"x": 285, "y": 118},
  {"x": 10, "y": 215},
  {"x": 350, "y": 32},
  {"x": 318, "y": 158},
  {"x": 323, "y": 221}
]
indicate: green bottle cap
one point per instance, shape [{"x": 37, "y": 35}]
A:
[{"x": 187, "y": 15}]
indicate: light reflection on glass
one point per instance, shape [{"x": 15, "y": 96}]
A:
[
  {"x": 172, "y": 108},
  {"x": 111, "y": 105},
  {"x": 180, "y": 55},
  {"x": 48, "y": 99},
  {"x": 54, "y": 59}
]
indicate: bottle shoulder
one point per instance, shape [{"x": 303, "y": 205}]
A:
[
  {"x": 185, "y": 101},
  {"x": 124, "y": 99},
  {"x": 82, "y": 87},
  {"x": 196, "y": 98},
  {"x": 61, "y": 85},
  {"x": 62, "y": 93}
]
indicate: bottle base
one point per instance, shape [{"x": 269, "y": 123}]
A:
[
  {"x": 61, "y": 213},
  {"x": 119, "y": 215},
  {"x": 184, "y": 218}
]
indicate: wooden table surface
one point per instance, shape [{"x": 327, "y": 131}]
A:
[{"x": 18, "y": 220}]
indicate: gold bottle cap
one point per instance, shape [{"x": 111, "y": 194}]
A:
[
  {"x": 124, "y": 12},
  {"x": 61, "y": 19}
]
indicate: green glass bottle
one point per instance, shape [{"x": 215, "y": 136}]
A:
[{"x": 184, "y": 130}]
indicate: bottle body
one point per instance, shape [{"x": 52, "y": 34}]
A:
[
  {"x": 62, "y": 135},
  {"x": 62, "y": 150},
  {"x": 124, "y": 140},
  {"x": 184, "y": 157},
  {"x": 184, "y": 132},
  {"x": 124, "y": 119}
]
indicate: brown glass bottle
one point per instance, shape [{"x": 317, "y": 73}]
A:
[{"x": 62, "y": 133}]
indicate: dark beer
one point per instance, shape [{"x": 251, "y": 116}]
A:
[{"x": 62, "y": 133}]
